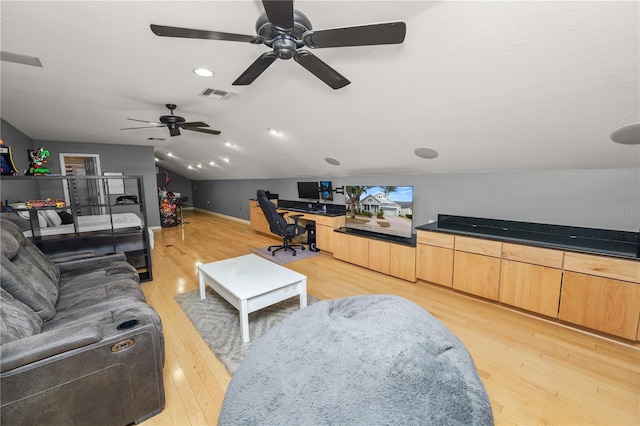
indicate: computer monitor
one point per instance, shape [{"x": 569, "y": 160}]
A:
[
  {"x": 326, "y": 190},
  {"x": 308, "y": 190}
]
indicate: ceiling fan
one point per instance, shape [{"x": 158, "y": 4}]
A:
[
  {"x": 175, "y": 123},
  {"x": 286, "y": 31}
]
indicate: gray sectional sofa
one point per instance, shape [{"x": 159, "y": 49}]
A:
[{"x": 78, "y": 342}]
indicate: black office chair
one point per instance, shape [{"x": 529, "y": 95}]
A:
[{"x": 279, "y": 226}]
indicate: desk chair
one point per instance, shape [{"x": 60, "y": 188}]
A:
[{"x": 279, "y": 226}]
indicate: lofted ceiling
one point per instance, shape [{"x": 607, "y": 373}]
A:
[{"x": 508, "y": 85}]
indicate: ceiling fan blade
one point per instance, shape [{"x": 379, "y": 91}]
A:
[
  {"x": 209, "y": 131},
  {"x": 193, "y": 124},
  {"x": 255, "y": 69},
  {"x": 320, "y": 69},
  {"x": 280, "y": 13},
  {"x": 143, "y": 127},
  {"x": 174, "y": 132},
  {"x": 144, "y": 121},
  {"x": 363, "y": 35},
  {"x": 164, "y": 31}
]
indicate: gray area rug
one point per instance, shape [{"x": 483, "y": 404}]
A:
[
  {"x": 219, "y": 323},
  {"x": 283, "y": 257}
]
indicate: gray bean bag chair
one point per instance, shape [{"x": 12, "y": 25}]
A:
[{"x": 366, "y": 360}]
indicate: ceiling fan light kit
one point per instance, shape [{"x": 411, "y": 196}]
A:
[{"x": 286, "y": 31}]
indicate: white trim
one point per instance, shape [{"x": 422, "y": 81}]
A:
[
  {"x": 237, "y": 219},
  {"x": 63, "y": 172}
]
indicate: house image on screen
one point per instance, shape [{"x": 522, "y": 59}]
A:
[{"x": 380, "y": 203}]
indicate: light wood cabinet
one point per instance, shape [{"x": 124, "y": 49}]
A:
[
  {"x": 382, "y": 256},
  {"x": 531, "y": 287},
  {"x": 434, "y": 258},
  {"x": 604, "y": 304},
  {"x": 602, "y": 266},
  {"x": 351, "y": 249},
  {"x": 598, "y": 292},
  {"x": 402, "y": 262},
  {"x": 476, "y": 266},
  {"x": 476, "y": 274},
  {"x": 258, "y": 221},
  {"x": 530, "y": 278}
]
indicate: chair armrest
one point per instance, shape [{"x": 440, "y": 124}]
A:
[
  {"x": 73, "y": 255},
  {"x": 94, "y": 262},
  {"x": 47, "y": 344},
  {"x": 295, "y": 218}
]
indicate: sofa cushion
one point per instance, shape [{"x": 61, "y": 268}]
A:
[
  {"x": 31, "y": 287},
  {"x": 8, "y": 245},
  {"x": 30, "y": 251},
  {"x": 16, "y": 319},
  {"x": 23, "y": 224}
]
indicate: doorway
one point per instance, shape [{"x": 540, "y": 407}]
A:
[{"x": 82, "y": 192}]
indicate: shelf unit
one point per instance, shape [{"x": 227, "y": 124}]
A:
[{"x": 92, "y": 196}]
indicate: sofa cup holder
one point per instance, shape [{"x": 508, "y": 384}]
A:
[{"x": 128, "y": 324}]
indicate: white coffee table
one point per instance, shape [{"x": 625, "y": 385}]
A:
[{"x": 250, "y": 283}]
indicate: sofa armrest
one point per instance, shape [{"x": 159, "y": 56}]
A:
[
  {"x": 94, "y": 262},
  {"x": 74, "y": 255},
  {"x": 44, "y": 345}
]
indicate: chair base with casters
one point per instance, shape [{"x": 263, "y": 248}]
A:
[{"x": 287, "y": 246}]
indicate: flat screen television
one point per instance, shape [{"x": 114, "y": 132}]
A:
[
  {"x": 326, "y": 190},
  {"x": 308, "y": 190},
  {"x": 380, "y": 209}
]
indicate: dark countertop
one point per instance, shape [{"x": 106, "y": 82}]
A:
[{"x": 584, "y": 240}]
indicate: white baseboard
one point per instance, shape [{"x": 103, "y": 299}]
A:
[{"x": 237, "y": 219}]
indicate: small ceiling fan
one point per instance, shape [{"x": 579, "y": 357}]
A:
[
  {"x": 175, "y": 123},
  {"x": 286, "y": 31}
]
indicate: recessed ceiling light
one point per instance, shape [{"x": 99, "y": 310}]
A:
[
  {"x": 273, "y": 131},
  {"x": 190, "y": 167},
  {"x": 332, "y": 161},
  {"x": 225, "y": 159},
  {"x": 199, "y": 165},
  {"x": 203, "y": 72},
  {"x": 427, "y": 153},
  {"x": 169, "y": 154},
  {"x": 229, "y": 144},
  {"x": 211, "y": 163},
  {"x": 627, "y": 135}
]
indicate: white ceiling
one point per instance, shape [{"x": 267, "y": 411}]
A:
[{"x": 499, "y": 85}]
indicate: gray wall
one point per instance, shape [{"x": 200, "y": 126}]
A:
[
  {"x": 179, "y": 184},
  {"x": 607, "y": 199},
  {"x": 19, "y": 144}
]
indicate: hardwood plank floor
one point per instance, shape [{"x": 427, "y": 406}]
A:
[{"x": 535, "y": 371}]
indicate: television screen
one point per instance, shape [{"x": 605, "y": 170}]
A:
[
  {"x": 380, "y": 209},
  {"x": 326, "y": 190},
  {"x": 308, "y": 190}
]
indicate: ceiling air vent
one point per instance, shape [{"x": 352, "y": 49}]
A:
[{"x": 217, "y": 94}]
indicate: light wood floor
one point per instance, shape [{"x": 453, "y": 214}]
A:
[{"x": 535, "y": 372}]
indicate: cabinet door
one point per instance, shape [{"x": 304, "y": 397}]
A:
[
  {"x": 341, "y": 246},
  {"x": 435, "y": 264},
  {"x": 402, "y": 263},
  {"x": 253, "y": 215},
  {"x": 476, "y": 274},
  {"x": 379, "y": 256},
  {"x": 359, "y": 251},
  {"x": 324, "y": 237},
  {"x": 603, "y": 304},
  {"x": 531, "y": 287}
]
